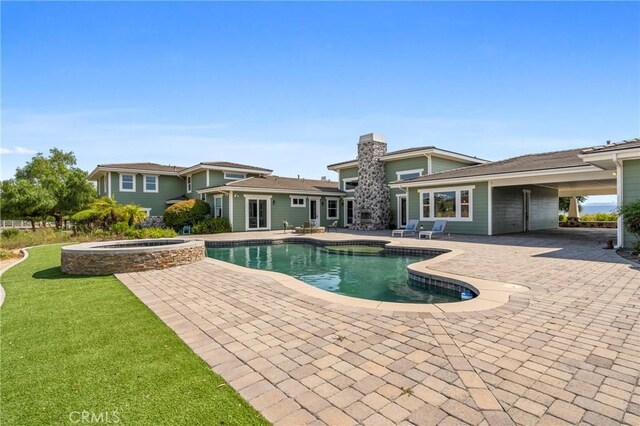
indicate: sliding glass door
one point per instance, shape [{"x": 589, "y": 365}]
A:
[{"x": 257, "y": 213}]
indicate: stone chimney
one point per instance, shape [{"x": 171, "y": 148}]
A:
[{"x": 371, "y": 210}]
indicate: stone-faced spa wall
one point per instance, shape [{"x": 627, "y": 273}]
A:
[
  {"x": 371, "y": 194},
  {"x": 115, "y": 257}
]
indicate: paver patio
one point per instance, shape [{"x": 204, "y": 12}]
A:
[{"x": 565, "y": 352}]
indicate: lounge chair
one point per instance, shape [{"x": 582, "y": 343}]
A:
[
  {"x": 286, "y": 226},
  {"x": 334, "y": 225},
  {"x": 409, "y": 230},
  {"x": 438, "y": 229}
]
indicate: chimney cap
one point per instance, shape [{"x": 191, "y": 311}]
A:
[{"x": 371, "y": 137}]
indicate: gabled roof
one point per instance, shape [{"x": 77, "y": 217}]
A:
[
  {"x": 225, "y": 165},
  {"x": 414, "y": 152},
  {"x": 280, "y": 184},
  {"x": 610, "y": 147},
  {"x": 524, "y": 163},
  {"x": 135, "y": 167}
]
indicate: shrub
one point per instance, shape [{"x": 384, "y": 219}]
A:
[
  {"x": 599, "y": 217},
  {"x": 186, "y": 212},
  {"x": 562, "y": 217},
  {"x": 7, "y": 254},
  {"x": 631, "y": 218},
  {"x": 120, "y": 228},
  {"x": 150, "y": 233},
  {"x": 213, "y": 225},
  {"x": 10, "y": 232}
]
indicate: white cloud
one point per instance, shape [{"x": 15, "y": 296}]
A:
[{"x": 17, "y": 150}]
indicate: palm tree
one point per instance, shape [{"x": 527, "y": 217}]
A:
[
  {"x": 132, "y": 214},
  {"x": 108, "y": 209}
]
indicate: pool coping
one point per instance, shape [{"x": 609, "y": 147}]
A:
[
  {"x": 490, "y": 294},
  {"x": 105, "y": 247}
]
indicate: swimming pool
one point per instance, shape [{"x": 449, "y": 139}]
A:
[{"x": 364, "y": 272}]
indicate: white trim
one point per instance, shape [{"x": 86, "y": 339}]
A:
[
  {"x": 105, "y": 187},
  {"x": 344, "y": 183},
  {"x": 144, "y": 183},
  {"x": 419, "y": 171},
  {"x": 626, "y": 154},
  {"x": 189, "y": 182},
  {"x": 203, "y": 197},
  {"x": 547, "y": 173},
  {"x": 266, "y": 191},
  {"x": 247, "y": 198},
  {"x": 399, "y": 198},
  {"x": 344, "y": 208},
  {"x": 207, "y": 185},
  {"x": 429, "y": 165},
  {"x": 126, "y": 170},
  {"x": 244, "y": 176},
  {"x": 194, "y": 169},
  {"x": 526, "y": 210},
  {"x": 345, "y": 165},
  {"x": 109, "y": 186},
  {"x": 490, "y": 208},
  {"x": 318, "y": 210},
  {"x": 620, "y": 200},
  {"x": 120, "y": 175},
  {"x": 456, "y": 190},
  {"x": 337, "y": 200},
  {"x": 411, "y": 154},
  {"x": 148, "y": 210},
  {"x": 296, "y": 197},
  {"x": 221, "y": 198}
]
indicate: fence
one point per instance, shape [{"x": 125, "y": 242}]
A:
[{"x": 22, "y": 224}]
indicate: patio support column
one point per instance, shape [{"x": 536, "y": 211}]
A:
[
  {"x": 573, "y": 209},
  {"x": 489, "y": 208},
  {"x": 231, "y": 209},
  {"x": 620, "y": 225}
]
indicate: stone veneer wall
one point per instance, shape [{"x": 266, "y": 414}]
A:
[
  {"x": 371, "y": 193},
  {"x": 114, "y": 261}
]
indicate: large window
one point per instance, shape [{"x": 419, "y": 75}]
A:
[
  {"x": 127, "y": 183},
  {"x": 150, "y": 183},
  {"x": 409, "y": 174},
  {"x": 234, "y": 176},
  {"x": 350, "y": 184},
  {"x": 217, "y": 206},
  {"x": 332, "y": 208},
  {"x": 455, "y": 204}
]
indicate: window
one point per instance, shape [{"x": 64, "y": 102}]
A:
[
  {"x": 234, "y": 176},
  {"x": 332, "y": 208},
  {"x": 203, "y": 197},
  {"x": 189, "y": 183},
  {"x": 350, "y": 184},
  {"x": 217, "y": 206},
  {"x": 449, "y": 204},
  {"x": 298, "y": 202},
  {"x": 409, "y": 174},
  {"x": 127, "y": 183},
  {"x": 151, "y": 183},
  {"x": 426, "y": 204},
  {"x": 147, "y": 211}
]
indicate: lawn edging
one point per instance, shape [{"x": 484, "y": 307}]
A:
[{"x": 25, "y": 255}]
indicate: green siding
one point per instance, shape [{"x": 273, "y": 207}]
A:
[
  {"x": 169, "y": 186},
  {"x": 198, "y": 181},
  {"x": 479, "y": 224},
  {"x": 439, "y": 164},
  {"x": 394, "y": 166},
  {"x": 630, "y": 191},
  {"x": 508, "y": 207},
  {"x": 281, "y": 210}
]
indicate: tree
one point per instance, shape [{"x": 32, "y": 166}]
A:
[
  {"x": 67, "y": 184},
  {"x": 631, "y": 218},
  {"x": 132, "y": 214},
  {"x": 565, "y": 201},
  {"x": 23, "y": 199}
]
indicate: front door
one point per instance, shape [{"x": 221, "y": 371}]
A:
[
  {"x": 348, "y": 212},
  {"x": 526, "y": 210},
  {"x": 257, "y": 214},
  {"x": 314, "y": 212},
  {"x": 402, "y": 212}
]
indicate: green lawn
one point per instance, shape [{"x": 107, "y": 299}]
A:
[{"x": 73, "y": 344}]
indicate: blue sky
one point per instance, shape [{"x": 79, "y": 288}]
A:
[{"x": 291, "y": 86}]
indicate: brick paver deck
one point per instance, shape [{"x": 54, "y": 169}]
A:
[{"x": 565, "y": 352}]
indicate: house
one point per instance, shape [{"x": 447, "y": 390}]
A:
[{"x": 381, "y": 189}]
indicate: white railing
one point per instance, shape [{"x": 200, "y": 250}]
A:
[{"x": 22, "y": 224}]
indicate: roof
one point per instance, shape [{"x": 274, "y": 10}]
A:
[
  {"x": 142, "y": 166},
  {"x": 416, "y": 150},
  {"x": 524, "y": 163},
  {"x": 619, "y": 146},
  {"x": 280, "y": 183},
  {"x": 234, "y": 165}
]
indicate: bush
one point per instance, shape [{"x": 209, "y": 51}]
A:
[
  {"x": 10, "y": 232},
  {"x": 35, "y": 238},
  {"x": 185, "y": 213},
  {"x": 213, "y": 225},
  {"x": 631, "y": 218},
  {"x": 7, "y": 254},
  {"x": 120, "y": 228},
  {"x": 151, "y": 233},
  {"x": 562, "y": 217},
  {"x": 599, "y": 217}
]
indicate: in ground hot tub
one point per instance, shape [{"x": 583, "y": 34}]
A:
[{"x": 113, "y": 257}]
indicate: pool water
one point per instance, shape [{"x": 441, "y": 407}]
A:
[{"x": 365, "y": 274}]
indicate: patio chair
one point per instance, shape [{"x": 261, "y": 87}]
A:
[
  {"x": 286, "y": 226},
  {"x": 409, "y": 230},
  {"x": 186, "y": 230},
  {"x": 438, "y": 229},
  {"x": 334, "y": 225}
]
